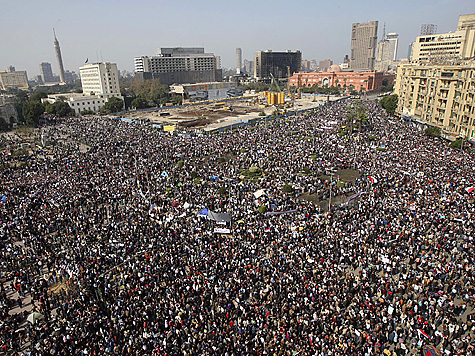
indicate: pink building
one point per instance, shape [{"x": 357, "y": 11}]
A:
[{"x": 361, "y": 81}]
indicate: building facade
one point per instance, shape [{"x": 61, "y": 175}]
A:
[
  {"x": 14, "y": 80},
  {"x": 248, "y": 66},
  {"x": 446, "y": 46},
  {"x": 46, "y": 72},
  {"x": 324, "y": 65},
  {"x": 100, "y": 79},
  {"x": 387, "y": 52},
  {"x": 277, "y": 64},
  {"x": 361, "y": 81},
  {"x": 364, "y": 38},
  {"x": 179, "y": 65},
  {"x": 79, "y": 102},
  {"x": 438, "y": 95}
]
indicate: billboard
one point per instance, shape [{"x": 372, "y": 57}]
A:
[{"x": 212, "y": 91}]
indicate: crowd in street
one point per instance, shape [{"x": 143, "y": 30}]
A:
[{"x": 108, "y": 245}]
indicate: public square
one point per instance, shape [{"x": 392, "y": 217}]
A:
[{"x": 290, "y": 236}]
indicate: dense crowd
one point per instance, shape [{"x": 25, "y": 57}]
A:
[{"x": 108, "y": 243}]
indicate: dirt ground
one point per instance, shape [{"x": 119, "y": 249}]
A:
[{"x": 197, "y": 116}]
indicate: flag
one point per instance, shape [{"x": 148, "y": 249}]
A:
[
  {"x": 422, "y": 334},
  {"x": 470, "y": 189},
  {"x": 372, "y": 179}
]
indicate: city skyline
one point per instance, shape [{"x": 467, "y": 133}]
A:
[{"x": 321, "y": 31}]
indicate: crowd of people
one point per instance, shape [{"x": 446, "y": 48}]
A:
[{"x": 101, "y": 230}]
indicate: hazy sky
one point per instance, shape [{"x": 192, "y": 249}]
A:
[{"x": 119, "y": 30}]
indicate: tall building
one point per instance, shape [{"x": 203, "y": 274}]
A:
[
  {"x": 100, "y": 79},
  {"x": 387, "y": 52},
  {"x": 364, "y": 38},
  {"x": 238, "y": 60},
  {"x": 446, "y": 46},
  {"x": 305, "y": 65},
  {"x": 46, "y": 72},
  {"x": 438, "y": 95},
  {"x": 13, "y": 80},
  {"x": 59, "y": 59},
  {"x": 248, "y": 66},
  {"x": 179, "y": 65},
  {"x": 428, "y": 29},
  {"x": 313, "y": 65},
  {"x": 277, "y": 64},
  {"x": 324, "y": 65}
]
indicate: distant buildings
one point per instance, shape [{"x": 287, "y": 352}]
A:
[
  {"x": 387, "y": 52},
  {"x": 364, "y": 37},
  {"x": 13, "y": 79},
  {"x": 305, "y": 65},
  {"x": 46, "y": 72},
  {"x": 350, "y": 80},
  {"x": 428, "y": 29},
  {"x": 446, "y": 46},
  {"x": 277, "y": 64},
  {"x": 179, "y": 65},
  {"x": 324, "y": 65},
  {"x": 438, "y": 95},
  {"x": 248, "y": 66}
]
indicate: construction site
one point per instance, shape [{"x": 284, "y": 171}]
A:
[{"x": 220, "y": 114}]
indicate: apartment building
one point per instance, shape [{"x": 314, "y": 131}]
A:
[{"x": 438, "y": 95}]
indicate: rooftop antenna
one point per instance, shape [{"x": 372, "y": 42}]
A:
[
  {"x": 54, "y": 33},
  {"x": 384, "y": 31}
]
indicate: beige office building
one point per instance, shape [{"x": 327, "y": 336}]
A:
[
  {"x": 364, "y": 38},
  {"x": 13, "y": 80},
  {"x": 438, "y": 95},
  {"x": 447, "y": 46}
]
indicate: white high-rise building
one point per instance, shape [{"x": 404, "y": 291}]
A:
[
  {"x": 387, "y": 52},
  {"x": 446, "y": 46},
  {"x": 100, "y": 79}
]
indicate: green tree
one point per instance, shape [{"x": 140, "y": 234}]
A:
[
  {"x": 32, "y": 112},
  {"x": 177, "y": 99},
  {"x": 113, "y": 105},
  {"x": 432, "y": 131},
  {"x": 390, "y": 103},
  {"x": 21, "y": 97},
  {"x": 38, "y": 95},
  {"x": 287, "y": 188},
  {"x": 140, "y": 103},
  {"x": 59, "y": 108}
]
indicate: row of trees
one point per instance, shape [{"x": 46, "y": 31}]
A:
[
  {"x": 30, "y": 109},
  {"x": 147, "y": 94}
]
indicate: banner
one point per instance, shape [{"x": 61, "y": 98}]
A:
[
  {"x": 220, "y": 230},
  {"x": 270, "y": 213},
  {"x": 219, "y": 216},
  {"x": 169, "y": 128}
]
